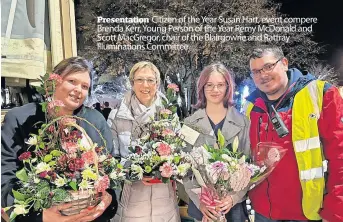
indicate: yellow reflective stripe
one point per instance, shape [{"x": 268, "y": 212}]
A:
[
  {"x": 309, "y": 159},
  {"x": 311, "y": 174},
  {"x": 303, "y": 145},
  {"x": 247, "y": 108}
]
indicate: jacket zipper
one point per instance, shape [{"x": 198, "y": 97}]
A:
[{"x": 270, "y": 203}]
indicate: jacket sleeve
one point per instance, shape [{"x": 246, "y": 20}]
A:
[
  {"x": 244, "y": 146},
  {"x": 113, "y": 128},
  {"x": 106, "y": 133},
  {"x": 11, "y": 143},
  {"x": 111, "y": 209},
  {"x": 244, "y": 139},
  {"x": 330, "y": 126}
]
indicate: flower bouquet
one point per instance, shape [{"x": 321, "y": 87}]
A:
[
  {"x": 158, "y": 154},
  {"x": 63, "y": 165},
  {"x": 265, "y": 157},
  {"x": 221, "y": 171}
]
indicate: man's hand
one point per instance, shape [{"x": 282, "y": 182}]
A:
[
  {"x": 92, "y": 214},
  {"x": 208, "y": 212},
  {"x": 53, "y": 214}
]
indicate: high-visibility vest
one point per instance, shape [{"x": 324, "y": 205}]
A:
[{"x": 308, "y": 150}]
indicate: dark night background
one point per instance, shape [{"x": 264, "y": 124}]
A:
[{"x": 329, "y": 29}]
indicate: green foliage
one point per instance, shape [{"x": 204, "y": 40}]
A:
[
  {"x": 37, "y": 205},
  {"x": 43, "y": 193},
  {"x": 221, "y": 139},
  {"x": 22, "y": 175},
  {"x": 19, "y": 196},
  {"x": 60, "y": 195},
  {"x": 47, "y": 158},
  {"x": 165, "y": 180},
  {"x": 73, "y": 185}
]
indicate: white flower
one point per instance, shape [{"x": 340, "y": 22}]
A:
[
  {"x": 226, "y": 157},
  {"x": 41, "y": 167},
  {"x": 32, "y": 141},
  {"x": 86, "y": 142},
  {"x": 121, "y": 175},
  {"x": 263, "y": 169},
  {"x": 242, "y": 160},
  {"x": 85, "y": 185},
  {"x": 235, "y": 144},
  {"x": 183, "y": 168},
  {"x": 36, "y": 180},
  {"x": 137, "y": 170},
  {"x": 20, "y": 209},
  {"x": 60, "y": 182},
  {"x": 145, "y": 137},
  {"x": 175, "y": 121},
  {"x": 102, "y": 158},
  {"x": 114, "y": 175}
]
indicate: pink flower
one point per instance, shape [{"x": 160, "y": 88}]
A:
[
  {"x": 166, "y": 111},
  {"x": 168, "y": 132},
  {"x": 53, "y": 104},
  {"x": 70, "y": 147},
  {"x": 163, "y": 149},
  {"x": 67, "y": 121},
  {"x": 219, "y": 166},
  {"x": 166, "y": 170},
  {"x": 138, "y": 150},
  {"x": 102, "y": 184},
  {"x": 51, "y": 129},
  {"x": 88, "y": 157},
  {"x": 273, "y": 156},
  {"x": 24, "y": 156},
  {"x": 54, "y": 76},
  {"x": 173, "y": 86},
  {"x": 43, "y": 174}
]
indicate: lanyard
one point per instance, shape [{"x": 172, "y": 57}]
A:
[{"x": 287, "y": 91}]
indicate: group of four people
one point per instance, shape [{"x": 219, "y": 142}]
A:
[{"x": 297, "y": 190}]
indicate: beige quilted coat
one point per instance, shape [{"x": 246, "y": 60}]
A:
[{"x": 138, "y": 202}]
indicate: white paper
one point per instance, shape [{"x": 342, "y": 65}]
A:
[{"x": 189, "y": 134}]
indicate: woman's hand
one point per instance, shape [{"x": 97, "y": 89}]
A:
[
  {"x": 209, "y": 212},
  {"x": 225, "y": 204},
  {"x": 95, "y": 212},
  {"x": 53, "y": 214}
]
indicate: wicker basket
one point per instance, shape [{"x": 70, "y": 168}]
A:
[{"x": 80, "y": 200}]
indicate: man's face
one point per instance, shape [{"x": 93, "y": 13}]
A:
[{"x": 273, "y": 77}]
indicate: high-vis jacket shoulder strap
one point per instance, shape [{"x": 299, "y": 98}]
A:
[{"x": 247, "y": 107}]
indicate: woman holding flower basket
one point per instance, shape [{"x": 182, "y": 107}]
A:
[
  {"x": 141, "y": 200},
  {"x": 216, "y": 112},
  {"x": 23, "y": 146}
]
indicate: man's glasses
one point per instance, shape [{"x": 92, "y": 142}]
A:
[
  {"x": 266, "y": 68},
  {"x": 140, "y": 81},
  {"x": 211, "y": 86}
]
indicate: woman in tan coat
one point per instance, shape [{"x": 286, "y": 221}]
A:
[
  {"x": 140, "y": 202},
  {"x": 216, "y": 111}
]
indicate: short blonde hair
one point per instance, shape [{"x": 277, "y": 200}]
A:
[{"x": 144, "y": 64}]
